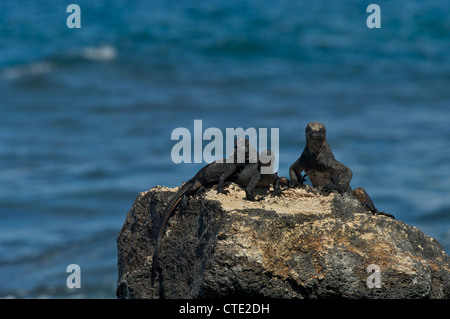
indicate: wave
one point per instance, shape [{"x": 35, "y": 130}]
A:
[
  {"x": 100, "y": 53},
  {"x": 103, "y": 53},
  {"x": 35, "y": 68}
]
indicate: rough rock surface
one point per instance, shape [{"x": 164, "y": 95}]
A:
[{"x": 302, "y": 245}]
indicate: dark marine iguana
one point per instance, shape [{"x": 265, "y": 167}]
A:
[
  {"x": 324, "y": 171},
  {"x": 214, "y": 173},
  {"x": 254, "y": 175},
  {"x": 248, "y": 175}
]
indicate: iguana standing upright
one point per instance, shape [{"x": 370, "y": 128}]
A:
[
  {"x": 214, "y": 173},
  {"x": 324, "y": 171}
]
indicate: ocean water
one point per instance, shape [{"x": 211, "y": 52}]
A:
[{"x": 86, "y": 115}]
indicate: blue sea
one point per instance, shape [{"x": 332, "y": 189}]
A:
[{"x": 86, "y": 114}]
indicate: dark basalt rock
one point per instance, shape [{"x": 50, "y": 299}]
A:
[{"x": 302, "y": 245}]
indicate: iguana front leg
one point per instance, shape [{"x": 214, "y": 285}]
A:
[
  {"x": 224, "y": 177},
  {"x": 277, "y": 188},
  {"x": 277, "y": 191},
  {"x": 295, "y": 174},
  {"x": 249, "y": 195}
]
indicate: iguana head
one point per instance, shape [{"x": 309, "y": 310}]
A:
[{"x": 316, "y": 136}]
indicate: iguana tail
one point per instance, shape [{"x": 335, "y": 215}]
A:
[{"x": 186, "y": 189}]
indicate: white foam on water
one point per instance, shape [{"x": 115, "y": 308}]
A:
[
  {"x": 35, "y": 68},
  {"x": 100, "y": 53}
]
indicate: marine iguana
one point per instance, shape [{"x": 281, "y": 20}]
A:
[
  {"x": 214, "y": 173},
  {"x": 252, "y": 176},
  {"x": 324, "y": 171}
]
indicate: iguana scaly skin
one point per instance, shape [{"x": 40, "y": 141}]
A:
[
  {"x": 214, "y": 173},
  {"x": 253, "y": 176},
  {"x": 324, "y": 171}
]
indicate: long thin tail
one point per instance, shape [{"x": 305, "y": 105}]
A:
[
  {"x": 364, "y": 198},
  {"x": 185, "y": 189}
]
